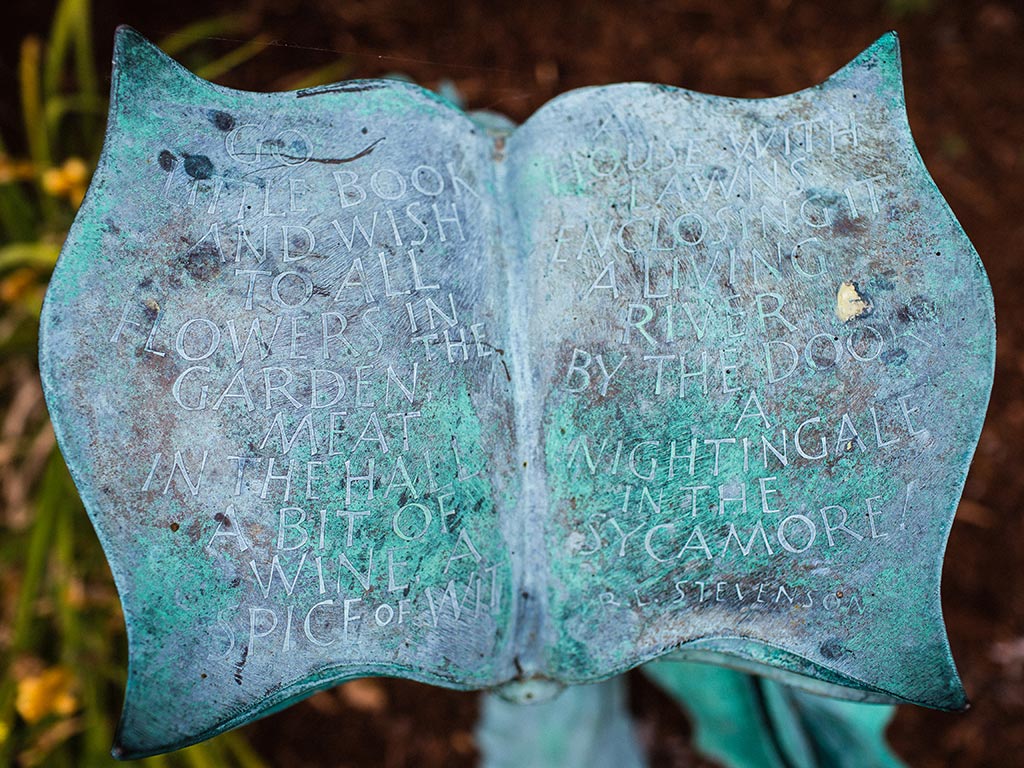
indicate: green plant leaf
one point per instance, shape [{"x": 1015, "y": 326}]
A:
[
  {"x": 18, "y": 216},
  {"x": 59, "y": 106},
  {"x": 234, "y": 58},
  {"x": 178, "y": 41},
  {"x": 31, "y": 101},
  {"x": 745, "y": 721},
  {"x": 331, "y": 73},
  {"x": 586, "y": 726},
  {"x": 40, "y": 254}
]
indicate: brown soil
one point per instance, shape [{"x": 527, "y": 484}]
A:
[{"x": 964, "y": 70}]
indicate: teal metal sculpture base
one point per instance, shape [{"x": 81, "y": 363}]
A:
[{"x": 740, "y": 721}]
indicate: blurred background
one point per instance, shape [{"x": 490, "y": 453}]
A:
[{"x": 61, "y": 633}]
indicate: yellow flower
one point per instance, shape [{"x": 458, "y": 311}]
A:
[
  {"x": 15, "y": 170},
  {"x": 54, "y": 182},
  {"x": 67, "y": 181},
  {"x": 75, "y": 171},
  {"x": 14, "y": 286},
  {"x": 48, "y": 693},
  {"x": 76, "y": 195},
  {"x": 6, "y": 170}
]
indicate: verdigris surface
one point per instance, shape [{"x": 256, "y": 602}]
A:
[{"x": 355, "y": 384}]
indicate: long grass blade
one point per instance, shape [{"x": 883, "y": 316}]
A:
[
  {"x": 85, "y": 61},
  {"x": 238, "y": 56},
  {"x": 39, "y": 255},
  {"x": 176, "y": 42},
  {"x": 31, "y": 102},
  {"x": 57, "y": 49}
]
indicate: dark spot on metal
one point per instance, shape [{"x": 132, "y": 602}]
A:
[
  {"x": 239, "y": 665},
  {"x": 202, "y": 262},
  {"x": 340, "y": 88},
  {"x": 882, "y": 283},
  {"x": 223, "y": 121},
  {"x": 823, "y": 357},
  {"x": 365, "y": 131},
  {"x": 844, "y": 225},
  {"x": 921, "y": 308},
  {"x": 198, "y": 166},
  {"x": 691, "y": 233},
  {"x": 333, "y": 160},
  {"x": 832, "y": 648},
  {"x": 175, "y": 527},
  {"x": 203, "y": 675},
  {"x": 717, "y": 173},
  {"x": 894, "y": 356},
  {"x": 223, "y": 519},
  {"x": 167, "y": 160}
]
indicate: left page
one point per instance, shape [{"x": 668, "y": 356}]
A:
[{"x": 273, "y": 348}]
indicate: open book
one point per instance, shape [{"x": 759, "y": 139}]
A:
[{"x": 355, "y": 384}]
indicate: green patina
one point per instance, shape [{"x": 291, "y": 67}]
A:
[{"x": 455, "y": 318}]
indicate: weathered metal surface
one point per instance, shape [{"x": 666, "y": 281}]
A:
[
  {"x": 744, "y": 720},
  {"x": 353, "y": 384},
  {"x": 587, "y": 726}
]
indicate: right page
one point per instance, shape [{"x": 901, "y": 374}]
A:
[{"x": 761, "y": 350}]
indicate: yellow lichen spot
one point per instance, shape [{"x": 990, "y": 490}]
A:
[
  {"x": 51, "y": 692},
  {"x": 849, "y": 302}
]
